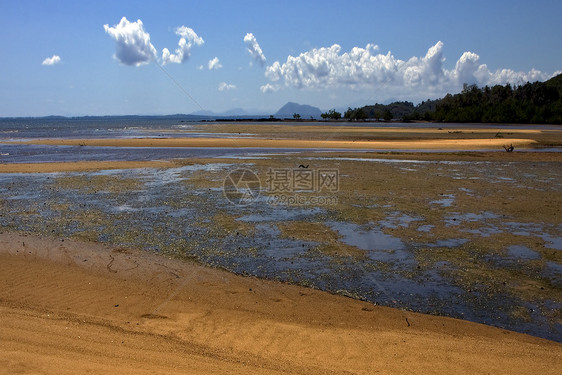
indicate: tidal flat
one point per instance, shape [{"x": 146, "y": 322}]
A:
[{"x": 472, "y": 235}]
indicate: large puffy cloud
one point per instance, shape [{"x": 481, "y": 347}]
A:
[
  {"x": 365, "y": 68},
  {"x": 51, "y": 60},
  {"x": 133, "y": 45},
  {"x": 183, "y": 52},
  {"x": 254, "y": 48}
]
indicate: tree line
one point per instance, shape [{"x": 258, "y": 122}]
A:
[{"x": 538, "y": 103}]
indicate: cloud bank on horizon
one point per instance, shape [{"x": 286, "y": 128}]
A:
[
  {"x": 328, "y": 67},
  {"x": 364, "y": 68}
]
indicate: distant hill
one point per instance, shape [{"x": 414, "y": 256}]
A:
[
  {"x": 230, "y": 112},
  {"x": 529, "y": 103},
  {"x": 305, "y": 111},
  {"x": 555, "y": 82}
]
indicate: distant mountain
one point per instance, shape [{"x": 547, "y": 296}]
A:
[
  {"x": 235, "y": 112},
  {"x": 305, "y": 111},
  {"x": 231, "y": 112}
]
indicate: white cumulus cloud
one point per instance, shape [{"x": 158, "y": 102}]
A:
[
  {"x": 183, "y": 52},
  {"x": 267, "y": 88},
  {"x": 214, "y": 64},
  {"x": 51, "y": 60},
  {"x": 133, "y": 45},
  {"x": 366, "y": 68},
  {"x": 254, "y": 48},
  {"x": 223, "y": 86}
]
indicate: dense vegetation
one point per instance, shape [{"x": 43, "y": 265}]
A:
[{"x": 538, "y": 103}]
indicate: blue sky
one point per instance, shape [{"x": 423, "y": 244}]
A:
[{"x": 58, "y": 59}]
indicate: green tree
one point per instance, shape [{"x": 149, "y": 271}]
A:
[
  {"x": 348, "y": 115},
  {"x": 387, "y": 115},
  {"x": 335, "y": 115},
  {"x": 331, "y": 114}
]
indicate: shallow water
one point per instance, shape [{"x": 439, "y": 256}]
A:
[{"x": 522, "y": 252}]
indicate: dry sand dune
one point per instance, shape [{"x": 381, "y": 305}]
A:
[{"x": 72, "y": 307}]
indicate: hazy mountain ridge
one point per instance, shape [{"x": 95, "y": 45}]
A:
[{"x": 305, "y": 111}]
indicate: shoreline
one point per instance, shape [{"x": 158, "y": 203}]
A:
[{"x": 91, "y": 307}]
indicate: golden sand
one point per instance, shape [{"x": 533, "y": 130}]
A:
[
  {"x": 71, "y": 307},
  {"x": 438, "y": 144}
]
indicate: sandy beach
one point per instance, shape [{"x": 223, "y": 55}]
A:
[
  {"x": 440, "y": 144},
  {"x": 71, "y": 307}
]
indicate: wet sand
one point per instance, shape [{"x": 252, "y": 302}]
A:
[{"x": 73, "y": 307}]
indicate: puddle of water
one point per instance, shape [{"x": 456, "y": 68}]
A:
[
  {"x": 125, "y": 208},
  {"x": 25, "y": 196},
  {"x": 445, "y": 202},
  {"x": 276, "y": 213},
  {"x": 484, "y": 232},
  {"x": 554, "y": 267},
  {"x": 397, "y": 219},
  {"x": 426, "y": 228},
  {"x": 457, "y": 218},
  {"x": 523, "y": 229},
  {"x": 451, "y": 242},
  {"x": 554, "y": 242},
  {"x": 161, "y": 177},
  {"x": 373, "y": 239},
  {"x": 522, "y": 252},
  {"x": 378, "y": 245},
  {"x": 467, "y": 191}
]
